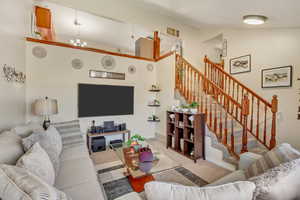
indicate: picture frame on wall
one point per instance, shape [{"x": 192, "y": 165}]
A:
[
  {"x": 240, "y": 64},
  {"x": 277, "y": 77}
]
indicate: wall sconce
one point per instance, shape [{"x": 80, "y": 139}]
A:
[{"x": 12, "y": 75}]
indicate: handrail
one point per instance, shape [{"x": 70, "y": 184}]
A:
[{"x": 215, "y": 97}]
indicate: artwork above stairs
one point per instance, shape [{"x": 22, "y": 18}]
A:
[{"x": 239, "y": 119}]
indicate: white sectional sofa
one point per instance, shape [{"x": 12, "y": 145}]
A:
[{"x": 77, "y": 176}]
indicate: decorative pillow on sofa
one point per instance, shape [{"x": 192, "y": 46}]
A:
[
  {"x": 19, "y": 184},
  {"x": 281, "y": 154},
  {"x": 27, "y": 129},
  {"x": 70, "y": 133},
  {"x": 11, "y": 148},
  {"x": 279, "y": 183},
  {"x": 37, "y": 161},
  {"x": 50, "y": 141},
  {"x": 168, "y": 191}
]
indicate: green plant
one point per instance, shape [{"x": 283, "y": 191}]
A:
[
  {"x": 194, "y": 104},
  {"x": 136, "y": 138},
  {"x": 185, "y": 106}
]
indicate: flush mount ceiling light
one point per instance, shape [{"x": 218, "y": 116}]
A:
[{"x": 254, "y": 19}]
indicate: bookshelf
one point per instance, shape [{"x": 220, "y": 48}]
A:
[{"x": 186, "y": 137}]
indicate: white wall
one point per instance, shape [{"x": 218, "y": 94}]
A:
[
  {"x": 54, "y": 77},
  {"x": 12, "y": 48},
  {"x": 268, "y": 49}
]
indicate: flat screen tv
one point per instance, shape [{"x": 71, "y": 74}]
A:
[{"x": 105, "y": 100}]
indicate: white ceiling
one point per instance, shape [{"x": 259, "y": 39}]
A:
[{"x": 227, "y": 13}]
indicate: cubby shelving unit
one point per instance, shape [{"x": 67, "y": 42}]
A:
[{"x": 183, "y": 136}]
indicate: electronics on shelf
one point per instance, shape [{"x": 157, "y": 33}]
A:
[{"x": 108, "y": 126}]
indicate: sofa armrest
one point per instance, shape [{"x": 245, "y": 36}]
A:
[
  {"x": 130, "y": 196},
  {"x": 246, "y": 159}
]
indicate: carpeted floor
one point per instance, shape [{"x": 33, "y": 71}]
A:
[{"x": 115, "y": 184}]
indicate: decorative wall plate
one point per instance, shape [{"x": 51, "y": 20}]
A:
[
  {"x": 77, "y": 63},
  {"x": 39, "y": 52},
  {"x": 150, "y": 67},
  {"x": 108, "y": 62},
  {"x": 131, "y": 69}
]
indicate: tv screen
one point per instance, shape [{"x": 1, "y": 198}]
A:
[{"x": 105, "y": 100}]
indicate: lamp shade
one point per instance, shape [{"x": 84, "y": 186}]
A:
[{"x": 45, "y": 107}]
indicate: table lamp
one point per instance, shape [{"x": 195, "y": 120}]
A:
[{"x": 45, "y": 107}]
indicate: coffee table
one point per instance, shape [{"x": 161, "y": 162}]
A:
[{"x": 136, "y": 173}]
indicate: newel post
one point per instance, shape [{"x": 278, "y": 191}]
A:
[
  {"x": 245, "y": 113},
  {"x": 274, "y": 110},
  {"x": 156, "y": 46}
]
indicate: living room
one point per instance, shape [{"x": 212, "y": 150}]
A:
[{"x": 150, "y": 65}]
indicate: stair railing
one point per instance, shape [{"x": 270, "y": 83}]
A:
[
  {"x": 259, "y": 108},
  {"x": 194, "y": 86}
]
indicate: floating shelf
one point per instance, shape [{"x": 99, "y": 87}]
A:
[
  {"x": 154, "y": 90},
  {"x": 153, "y": 120},
  {"x": 153, "y": 105}
]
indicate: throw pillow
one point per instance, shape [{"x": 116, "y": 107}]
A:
[
  {"x": 281, "y": 154},
  {"x": 279, "y": 183},
  {"x": 19, "y": 184},
  {"x": 70, "y": 133},
  {"x": 37, "y": 161},
  {"x": 233, "y": 191},
  {"x": 11, "y": 148},
  {"x": 27, "y": 129},
  {"x": 50, "y": 141}
]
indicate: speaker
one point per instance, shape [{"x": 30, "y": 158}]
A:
[
  {"x": 122, "y": 127},
  {"x": 98, "y": 144}
]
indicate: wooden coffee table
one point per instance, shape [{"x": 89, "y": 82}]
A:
[{"x": 134, "y": 171}]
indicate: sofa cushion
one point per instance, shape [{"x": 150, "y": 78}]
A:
[
  {"x": 281, "y": 154},
  {"x": 27, "y": 129},
  {"x": 233, "y": 191},
  {"x": 37, "y": 161},
  {"x": 50, "y": 141},
  {"x": 19, "y": 184},
  {"x": 11, "y": 148},
  {"x": 75, "y": 172},
  {"x": 70, "y": 132},
  {"x": 238, "y": 175},
  {"x": 75, "y": 152},
  {"x": 279, "y": 183}
]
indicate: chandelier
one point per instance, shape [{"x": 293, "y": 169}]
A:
[{"x": 77, "y": 42}]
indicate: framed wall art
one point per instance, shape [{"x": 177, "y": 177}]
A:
[
  {"x": 277, "y": 77},
  {"x": 240, "y": 64}
]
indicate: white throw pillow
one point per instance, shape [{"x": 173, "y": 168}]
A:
[
  {"x": 37, "y": 161},
  {"x": 50, "y": 141},
  {"x": 166, "y": 191},
  {"x": 27, "y": 129},
  {"x": 279, "y": 183},
  {"x": 19, "y": 184},
  {"x": 11, "y": 148}
]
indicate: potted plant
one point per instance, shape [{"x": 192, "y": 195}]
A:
[
  {"x": 134, "y": 141},
  {"x": 194, "y": 107},
  {"x": 185, "y": 108}
]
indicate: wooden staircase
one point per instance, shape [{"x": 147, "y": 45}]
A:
[{"x": 240, "y": 119}]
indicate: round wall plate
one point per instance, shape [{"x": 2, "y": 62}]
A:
[
  {"x": 131, "y": 69},
  {"x": 108, "y": 62},
  {"x": 150, "y": 67},
  {"x": 39, "y": 52},
  {"x": 77, "y": 64}
]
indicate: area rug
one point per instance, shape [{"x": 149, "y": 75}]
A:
[{"x": 115, "y": 184}]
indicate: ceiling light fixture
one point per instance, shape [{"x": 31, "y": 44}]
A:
[
  {"x": 77, "y": 42},
  {"x": 254, "y": 19}
]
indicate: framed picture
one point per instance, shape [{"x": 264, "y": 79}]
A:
[
  {"x": 277, "y": 77},
  {"x": 240, "y": 64}
]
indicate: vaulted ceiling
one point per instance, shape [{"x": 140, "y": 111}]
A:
[{"x": 228, "y": 13}]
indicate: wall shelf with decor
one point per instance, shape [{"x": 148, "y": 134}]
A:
[
  {"x": 185, "y": 134},
  {"x": 154, "y": 103},
  {"x": 158, "y": 90}
]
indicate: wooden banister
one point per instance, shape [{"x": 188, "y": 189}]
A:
[{"x": 225, "y": 100}]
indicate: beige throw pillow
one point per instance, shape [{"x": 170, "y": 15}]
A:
[
  {"x": 37, "y": 161},
  {"x": 50, "y": 141},
  {"x": 19, "y": 184}
]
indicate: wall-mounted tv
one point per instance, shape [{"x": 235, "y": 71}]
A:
[{"x": 105, "y": 100}]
